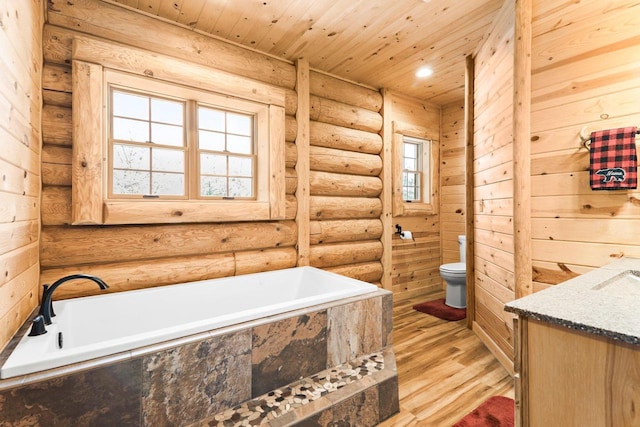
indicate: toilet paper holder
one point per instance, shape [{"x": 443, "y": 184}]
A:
[{"x": 407, "y": 235}]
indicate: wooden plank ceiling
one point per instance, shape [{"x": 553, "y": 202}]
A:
[{"x": 379, "y": 43}]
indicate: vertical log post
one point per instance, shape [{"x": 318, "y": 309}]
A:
[
  {"x": 387, "y": 196},
  {"x": 470, "y": 226},
  {"x": 522, "y": 149},
  {"x": 302, "y": 163}
]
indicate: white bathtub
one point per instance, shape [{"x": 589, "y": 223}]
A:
[{"x": 102, "y": 325}]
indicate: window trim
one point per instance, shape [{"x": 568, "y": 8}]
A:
[
  {"x": 400, "y": 207},
  {"x": 89, "y": 202},
  {"x": 421, "y": 145}
]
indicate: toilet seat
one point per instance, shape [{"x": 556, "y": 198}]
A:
[{"x": 454, "y": 268}]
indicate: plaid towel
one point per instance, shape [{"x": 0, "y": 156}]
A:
[{"x": 614, "y": 164}]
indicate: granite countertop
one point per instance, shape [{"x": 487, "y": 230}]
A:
[{"x": 605, "y": 301}]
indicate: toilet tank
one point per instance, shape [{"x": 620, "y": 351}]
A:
[{"x": 462, "y": 243}]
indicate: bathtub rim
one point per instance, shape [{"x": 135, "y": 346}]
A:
[{"x": 346, "y": 287}]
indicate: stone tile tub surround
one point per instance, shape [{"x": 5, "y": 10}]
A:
[
  {"x": 188, "y": 380},
  {"x": 309, "y": 401},
  {"x": 582, "y": 303}
]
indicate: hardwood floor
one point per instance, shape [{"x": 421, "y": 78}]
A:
[{"x": 444, "y": 370}]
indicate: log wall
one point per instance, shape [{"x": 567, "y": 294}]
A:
[
  {"x": 584, "y": 75},
  {"x": 415, "y": 263},
  {"x": 20, "y": 109},
  {"x": 131, "y": 257},
  {"x": 452, "y": 181},
  {"x": 341, "y": 147},
  {"x": 345, "y": 187},
  {"x": 493, "y": 186}
]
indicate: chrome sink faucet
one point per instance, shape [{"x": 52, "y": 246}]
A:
[{"x": 46, "y": 307}]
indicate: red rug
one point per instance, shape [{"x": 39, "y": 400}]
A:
[
  {"x": 497, "y": 411},
  {"x": 439, "y": 309}
]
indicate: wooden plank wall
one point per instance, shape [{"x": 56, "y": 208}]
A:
[
  {"x": 452, "y": 181},
  {"x": 343, "y": 156},
  {"x": 493, "y": 186},
  {"x": 415, "y": 264},
  {"x": 585, "y": 61},
  {"x": 20, "y": 109}
]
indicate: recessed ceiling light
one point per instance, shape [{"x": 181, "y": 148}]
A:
[{"x": 424, "y": 72}]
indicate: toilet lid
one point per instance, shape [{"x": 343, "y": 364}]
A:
[{"x": 454, "y": 267}]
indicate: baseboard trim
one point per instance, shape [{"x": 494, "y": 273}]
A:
[
  {"x": 504, "y": 360},
  {"x": 426, "y": 291}
]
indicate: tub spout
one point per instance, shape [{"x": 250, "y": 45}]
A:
[{"x": 46, "y": 307}]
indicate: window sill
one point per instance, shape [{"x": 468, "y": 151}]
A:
[
  {"x": 163, "y": 212},
  {"x": 417, "y": 209}
]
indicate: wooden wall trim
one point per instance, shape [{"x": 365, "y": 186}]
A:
[
  {"x": 521, "y": 362},
  {"x": 470, "y": 208},
  {"x": 276, "y": 180},
  {"x": 86, "y": 189},
  {"x": 522, "y": 148},
  {"x": 303, "y": 162},
  {"x": 503, "y": 358},
  {"x": 397, "y": 204},
  {"x": 387, "y": 193},
  {"x": 164, "y": 67}
]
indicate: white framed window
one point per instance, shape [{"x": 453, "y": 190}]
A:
[
  {"x": 415, "y": 169},
  {"x": 415, "y": 163},
  {"x": 147, "y": 149},
  {"x": 183, "y": 144},
  {"x": 226, "y": 153},
  {"x": 147, "y": 145}
]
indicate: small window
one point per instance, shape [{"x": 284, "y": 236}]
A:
[
  {"x": 414, "y": 177},
  {"x": 415, "y": 170}
]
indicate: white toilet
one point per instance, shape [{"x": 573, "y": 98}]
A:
[{"x": 455, "y": 274}]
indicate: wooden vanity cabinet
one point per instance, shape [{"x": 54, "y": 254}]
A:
[{"x": 568, "y": 378}]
